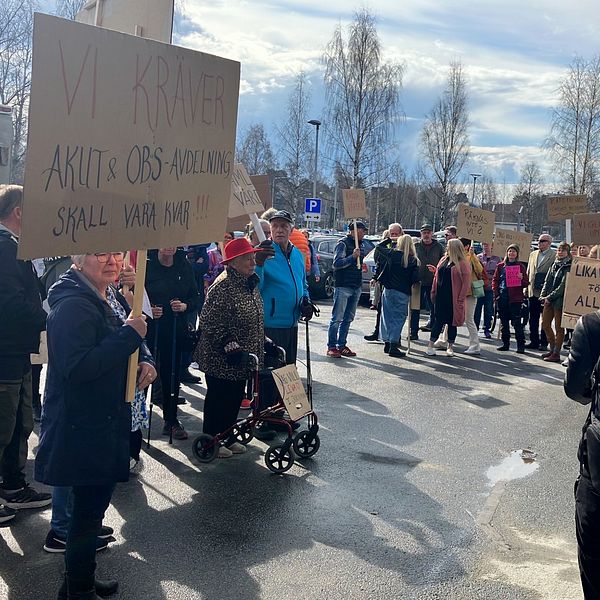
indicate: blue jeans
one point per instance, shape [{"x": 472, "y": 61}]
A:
[
  {"x": 487, "y": 303},
  {"x": 345, "y": 301},
  {"x": 427, "y": 304},
  {"x": 394, "y": 310},
  {"x": 62, "y": 509}
]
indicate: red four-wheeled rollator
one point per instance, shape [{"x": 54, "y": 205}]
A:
[{"x": 279, "y": 457}]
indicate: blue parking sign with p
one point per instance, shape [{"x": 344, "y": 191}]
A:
[{"x": 313, "y": 206}]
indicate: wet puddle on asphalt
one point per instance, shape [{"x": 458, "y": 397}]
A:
[{"x": 518, "y": 464}]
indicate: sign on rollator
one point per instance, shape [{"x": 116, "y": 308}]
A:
[{"x": 131, "y": 142}]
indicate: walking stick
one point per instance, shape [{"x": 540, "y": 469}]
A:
[
  {"x": 173, "y": 361},
  {"x": 151, "y": 387}
]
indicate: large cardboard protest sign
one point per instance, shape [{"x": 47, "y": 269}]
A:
[
  {"x": 586, "y": 229},
  {"x": 503, "y": 238},
  {"x": 355, "y": 206},
  {"x": 566, "y": 206},
  {"x": 131, "y": 142},
  {"x": 244, "y": 198},
  {"x": 582, "y": 293},
  {"x": 147, "y": 18},
  {"x": 475, "y": 223},
  {"x": 289, "y": 384}
]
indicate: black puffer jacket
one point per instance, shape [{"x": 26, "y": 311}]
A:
[
  {"x": 392, "y": 273},
  {"x": 21, "y": 314}
]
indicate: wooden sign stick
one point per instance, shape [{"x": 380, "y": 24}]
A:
[
  {"x": 357, "y": 244},
  {"x": 136, "y": 311}
]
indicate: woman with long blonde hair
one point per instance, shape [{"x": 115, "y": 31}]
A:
[
  {"x": 451, "y": 284},
  {"x": 399, "y": 270}
]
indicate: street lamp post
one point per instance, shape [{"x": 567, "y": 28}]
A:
[
  {"x": 317, "y": 124},
  {"x": 474, "y": 176}
]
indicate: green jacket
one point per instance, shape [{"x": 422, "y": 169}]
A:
[{"x": 554, "y": 285}]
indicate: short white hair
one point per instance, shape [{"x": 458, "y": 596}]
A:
[{"x": 78, "y": 259}]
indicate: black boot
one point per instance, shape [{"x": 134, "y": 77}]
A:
[
  {"x": 373, "y": 337},
  {"x": 386, "y": 347},
  {"x": 395, "y": 352},
  {"x": 104, "y": 588},
  {"x": 505, "y": 346}
]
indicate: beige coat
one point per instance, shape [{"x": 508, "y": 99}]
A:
[{"x": 532, "y": 269}]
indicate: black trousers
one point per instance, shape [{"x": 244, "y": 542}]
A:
[
  {"x": 135, "y": 444},
  {"x": 510, "y": 313},
  {"x": 221, "y": 404},
  {"x": 587, "y": 516},
  {"x": 535, "y": 310},
  {"x": 89, "y": 505},
  {"x": 287, "y": 339}
]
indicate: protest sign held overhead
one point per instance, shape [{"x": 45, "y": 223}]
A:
[
  {"x": 355, "y": 206},
  {"x": 586, "y": 229},
  {"x": 503, "y": 238},
  {"x": 475, "y": 224},
  {"x": 582, "y": 293},
  {"x": 131, "y": 142},
  {"x": 566, "y": 206},
  {"x": 244, "y": 198}
]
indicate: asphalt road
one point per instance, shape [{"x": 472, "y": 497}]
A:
[{"x": 413, "y": 493}]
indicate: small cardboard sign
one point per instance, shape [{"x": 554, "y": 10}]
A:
[
  {"x": 289, "y": 384},
  {"x": 503, "y": 238},
  {"x": 131, "y": 142},
  {"x": 514, "y": 276},
  {"x": 244, "y": 198},
  {"x": 566, "y": 206},
  {"x": 582, "y": 292},
  {"x": 475, "y": 224},
  {"x": 355, "y": 206},
  {"x": 586, "y": 229}
]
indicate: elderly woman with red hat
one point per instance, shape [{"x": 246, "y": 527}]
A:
[{"x": 232, "y": 328}]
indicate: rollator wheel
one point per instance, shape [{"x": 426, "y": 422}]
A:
[
  {"x": 242, "y": 434},
  {"x": 204, "y": 448},
  {"x": 306, "y": 445},
  {"x": 278, "y": 460}
]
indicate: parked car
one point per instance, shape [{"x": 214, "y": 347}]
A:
[{"x": 325, "y": 247}]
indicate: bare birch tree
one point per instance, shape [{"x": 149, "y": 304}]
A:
[
  {"x": 574, "y": 139},
  {"x": 295, "y": 142},
  {"x": 255, "y": 151},
  {"x": 68, "y": 9},
  {"x": 363, "y": 100},
  {"x": 445, "y": 138},
  {"x": 530, "y": 195},
  {"x": 16, "y": 38}
]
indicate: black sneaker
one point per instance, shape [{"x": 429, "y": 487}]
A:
[
  {"x": 373, "y": 337},
  {"x": 6, "y": 514},
  {"x": 26, "y": 497},
  {"x": 57, "y": 545},
  {"x": 105, "y": 532},
  {"x": 264, "y": 432}
]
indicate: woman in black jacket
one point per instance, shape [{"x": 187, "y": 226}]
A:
[
  {"x": 399, "y": 269},
  {"x": 173, "y": 293},
  {"x": 86, "y": 421}
]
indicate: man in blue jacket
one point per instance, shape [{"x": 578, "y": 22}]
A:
[
  {"x": 285, "y": 297},
  {"x": 347, "y": 274}
]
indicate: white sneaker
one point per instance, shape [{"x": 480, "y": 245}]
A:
[
  {"x": 450, "y": 351},
  {"x": 224, "y": 452},
  {"x": 440, "y": 344},
  {"x": 237, "y": 448},
  {"x": 473, "y": 350},
  {"x": 430, "y": 351}
]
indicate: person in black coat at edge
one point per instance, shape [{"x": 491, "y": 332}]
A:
[
  {"x": 581, "y": 385},
  {"x": 173, "y": 293},
  {"x": 86, "y": 421}
]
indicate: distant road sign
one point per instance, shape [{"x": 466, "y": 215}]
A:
[
  {"x": 312, "y": 206},
  {"x": 312, "y": 217}
]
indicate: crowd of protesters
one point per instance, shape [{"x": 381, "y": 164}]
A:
[{"x": 223, "y": 307}]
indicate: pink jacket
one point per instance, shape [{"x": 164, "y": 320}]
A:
[{"x": 461, "y": 287}]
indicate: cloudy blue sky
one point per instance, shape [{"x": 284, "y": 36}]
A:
[{"x": 514, "y": 54}]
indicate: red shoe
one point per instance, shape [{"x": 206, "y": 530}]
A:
[
  {"x": 345, "y": 351},
  {"x": 554, "y": 357},
  {"x": 334, "y": 353},
  {"x": 246, "y": 404}
]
